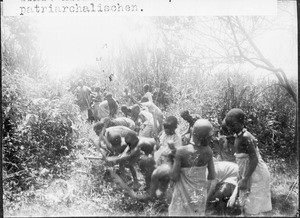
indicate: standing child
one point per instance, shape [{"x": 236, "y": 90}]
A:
[
  {"x": 84, "y": 99},
  {"x": 254, "y": 176},
  {"x": 226, "y": 144},
  {"x": 147, "y": 92},
  {"x": 169, "y": 141},
  {"x": 112, "y": 104}
]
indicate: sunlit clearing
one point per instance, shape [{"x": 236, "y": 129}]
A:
[{"x": 71, "y": 42}]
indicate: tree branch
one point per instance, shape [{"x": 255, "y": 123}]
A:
[{"x": 280, "y": 74}]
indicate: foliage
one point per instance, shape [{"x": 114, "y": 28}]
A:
[
  {"x": 91, "y": 77},
  {"x": 44, "y": 140},
  {"x": 19, "y": 47},
  {"x": 88, "y": 191},
  {"x": 271, "y": 115},
  {"x": 37, "y": 115},
  {"x": 148, "y": 64}
]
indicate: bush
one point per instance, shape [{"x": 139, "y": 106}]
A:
[{"x": 43, "y": 141}]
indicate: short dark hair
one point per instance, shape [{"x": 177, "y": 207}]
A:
[
  {"x": 237, "y": 114},
  {"x": 135, "y": 108},
  {"x": 171, "y": 121},
  {"x": 144, "y": 99},
  {"x": 98, "y": 126},
  {"x": 108, "y": 94},
  {"x": 130, "y": 138},
  {"x": 124, "y": 108},
  {"x": 146, "y": 86},
  {"x": 202, "y": 128},
  {"x": 184, "y": 113}
]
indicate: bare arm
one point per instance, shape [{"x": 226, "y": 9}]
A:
[
  {"x": 135, "y": 101},
  {"x": 212, "y": 188},
  {"x": 104, "y": 139},
  {"x": 233, "y": 196},
  {"x": 211, "y": 176},
  {"x": 211, "y": 170},
  {"x": 155, "y": 124},
  {"x": 253, "y": 161},
  {"x": 175, "y": 171},
  {"x": 157, "y": 143},
  {"x": 123, "y": 157}
]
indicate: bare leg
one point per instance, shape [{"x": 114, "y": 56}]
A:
[
  {"x": 159, "y": 175},
  {"x": 147, "y": 166},
  {"x": 122, "y": 172},
  {"x": 136, "y": 184}
]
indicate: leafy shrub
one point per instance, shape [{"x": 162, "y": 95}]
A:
[
  {"x": 44, "y": 140},
  {"x": 270, "y": 114}
]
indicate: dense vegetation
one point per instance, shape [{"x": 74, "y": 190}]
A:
[{"x": 44, "y": 139}]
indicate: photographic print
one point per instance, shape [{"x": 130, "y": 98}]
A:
[{"x": 164, "y": 115}]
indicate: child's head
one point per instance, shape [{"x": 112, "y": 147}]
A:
[
  {"x": 185, "y": 115},
  {"x": 202, "y": 131},
  {"x": 98, "y": 127},
  {"x": 108, "y": 96},
  {"x": 224, "y": 129},
  {"x": 125, "y": 110},
  {"x": 146, "y": 87},
  {"x": 108, "y": 122},
  {"x": 97, "y": 89},
  {"x": 135, "y": 110},
  {"x": 235, "y": 120},
  {"x": 144, "y": 99},
  {"x": 170, "y": 125},
  {"x": 131, "y": 140}
]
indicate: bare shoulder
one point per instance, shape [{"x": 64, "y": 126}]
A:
[
  {"x": 248, "y": 136},
  {"x": 146, "y": 140},
  {"x": 122, "y": 130},
  {"x": 185, "y": 150},
  {"x": 208, "y": 150}
]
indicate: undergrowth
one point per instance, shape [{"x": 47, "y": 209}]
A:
[{"x": 88, "y": 190}]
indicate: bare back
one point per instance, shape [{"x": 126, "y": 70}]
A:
[{"x": 192, "y": 156}]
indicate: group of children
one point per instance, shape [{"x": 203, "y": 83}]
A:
[{"x": 183, "y": 165}]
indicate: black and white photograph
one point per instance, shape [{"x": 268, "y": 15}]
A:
[{"x": 149, "y": 115}]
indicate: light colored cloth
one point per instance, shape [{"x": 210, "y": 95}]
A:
[
  {"x": 161, "y": 154},
  {"x": 153, "y": 109},
  {"x": 147, "y": 130},
  {"x": 84, "y": 114},
  {"x": 84, "y": 97},
  {"x": 189, "y": 195},
  {"x": 146, "y": 114},
  {"x": 149, "y": 96},
  {"x": 101, "y": 109},
  {"x": 147, "y": 127},
  {"x": 124, "y": 121},
  {"x": 257, "y": 198},
  {"x": 117, "y": 130},
  {"x": 226, "y": 171}
]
